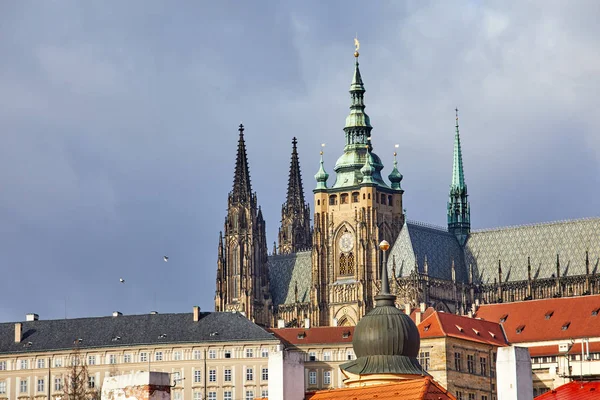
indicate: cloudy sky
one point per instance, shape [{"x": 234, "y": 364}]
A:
[{"x": 119, "y": 123}]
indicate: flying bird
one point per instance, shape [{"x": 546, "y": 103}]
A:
[
  {"x": 121, "y": 280},
  {"x": 165, "y": 258}
]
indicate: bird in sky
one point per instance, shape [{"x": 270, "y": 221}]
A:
[
  {"x": 121, "y": 280},
  {"x": 165, "y": 258}
]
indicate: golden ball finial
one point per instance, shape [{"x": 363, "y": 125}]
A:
[
  {"x": 321, "y": 152},
  {"x": 356, "y": 54},
  {"x": 384, "y": 245}
]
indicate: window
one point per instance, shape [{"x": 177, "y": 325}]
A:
[
  {"x": 471, "y": 363},
  {"x": 24, "y": 364},
  {"x": 197, "y": 395},
  {"x": 2, "y": 387},
  {"x": 197, "y": 354},
  {"x": 383, "y": 199},
  {"x": 227, "y": 353},
  {"x": 326, "y": 356},
  {"x": 350, "y": 355},
  {"x": 264, "y": 394},
  {"x": 74, "y": 360},
  {"x": 212, "y": 354},
  {"x": 249, "y": 353},
  {"x": 344, "y": 198},
  {"x": 327, "y": 377},
  {"x": 127, "y": 358},
  {"x": 227, "y": 395},
  {"x": 332, "y": 200},
  {"x": 459, "y": 396},
  {"x": 41, "y": 363},
  {"x": 249, "y": 374},
  {"x": 177, "y": 395},
  {"x": 40, "y": 385},
  {"x": 264, "y": 353},
  {"x": 350, "y": 263},
  {"x": 212, "y": 375},
  {"x": 484, "y": 397},
  {"x": 212, "y": 395},
  {"x": 91, "y": 360},
  {"x": 176, "y": 377},
  {"x": 91, "y": 381},
  {"x": 112, "y": 359},
  {"x": 265, "y": 374},
  {"x": 143, "y": 357},
  {"x": 23, "y": 386},
  {"x": 343, "y": 264},
  {"x": 57, "y": 362},
  {"x": 249, "y": 394},
  {"x": 57, "y": 383},
  {"x": 2, "y": 365},
  {"x": 424, "y": 360},
  {"x": 158, "y": 356},
  {"x": 390, "y": 201},
  {"x": 227, "y": 375},
  {"x": 457, "y": 361},
  {"x": 312, "y": 356},
  {"x": 483, "y": 366},
  {"x": 197, "y": 376},
  {"x": 177, "y": 355},
  {"x": 355, "y": 197},
  {"x": 471, "y": 396},
  {"x": 312, "y": 378}
]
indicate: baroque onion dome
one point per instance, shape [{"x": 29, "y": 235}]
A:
[
  {"x": 386, "y": 341},
  {"x": 395, "y": 176},
  {"x": 368, "y": 169},
  {"x": 321, "y": 176}
]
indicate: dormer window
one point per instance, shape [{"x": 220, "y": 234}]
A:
[
  {"x": 520, "y": 328},
  {"x": 476, "y": 331},
  {"x": 595, "y": 312},
  {"x": 301, "y": 335},
  {"x": 346, "y": 334},
  {"x": 549, "y": 314},
  {"x": 426, "y": 327},
  {"x": 459, "y": 328},
  {"x": 503, "y": 318},
  {"x": 492, "y": 334},
  {"x": 566, "y": 326}
]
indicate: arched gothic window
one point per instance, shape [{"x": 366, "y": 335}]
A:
[
  {"x": 343, "y": 264},
  {"x": 350, "y": 263}
]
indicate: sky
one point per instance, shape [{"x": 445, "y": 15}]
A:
[{"x": 118, "y": 128}]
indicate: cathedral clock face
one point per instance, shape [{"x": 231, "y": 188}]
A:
[{"x": 346, "y": 242}]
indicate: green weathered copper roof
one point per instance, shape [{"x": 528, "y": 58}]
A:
[
  {"x": 368, "y": 169},
  {"x": 395, "y": 176},
  {"x": 458, "y": 175},
  {"x": 321, "y": 176},
  {"x": 348, "y": 168},
  {"x": 357, "y": 117}
]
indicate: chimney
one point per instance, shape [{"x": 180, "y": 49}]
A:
[
  {"x": 196, "y": 313},
  {"x": 18, "y": 332},
  {"x": 407, "y": 309},
  {"x": 306, "y": 323},
  {"x": 117, "y": 314},
  {"x": 423, "y": 307},
  {"x": 335, "y": 322},
  {"x": 418, "y": 315},
  {"x": 32, "y": 317},
  {"x": 280, "y": 323}
]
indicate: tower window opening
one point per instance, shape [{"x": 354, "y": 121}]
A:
[
  {"x": 369, "y": 196},
  {"x": 390, "y": 201},
  {"x": 363, "y": 196},
  {"x": 355, "y": 197},
  {"x": 332, "y": 200},
  {"x": 350, "y": 262},
  {"x": 344, "y": 198},
  {"x": 318, "y": 202},
  {"x": 383, "y": 199},
  {"x": 343, "y": 264}
]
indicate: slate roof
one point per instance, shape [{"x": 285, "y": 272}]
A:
[
  {"x": 48, "y": 335},
  {"x": 573, "y": 391},
  {"x": 543, "y": 320},
  {"x": 541, "y": 242},
  {"x": 417, "y": 241},
  {"x": 285, "y": 271}
]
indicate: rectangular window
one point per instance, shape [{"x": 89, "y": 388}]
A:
[
  {"x": 327, "y": 378},
  {"x": 312, "y": 378},
  {"x": 227, "y": 375},
  {"x": 212, "y": 395},
  {"x": 265, "y": 374},
  {"x": 457, "y": 361},
  {"x": 249, "y": 394},
  {"x": 264, "y": 394},
  {"x": 58, "y": 362},
  {"x": 471, "y": 364},
  {"x": 24, "y": 364},
  {"x": 177, "y": 395},
  {"x": 197, "y": 376},
  {"x": 459, "y": 396},
  {"x": 74, "y": 360},
  {"x": 227, "y": 395},
  {"x": 41, "y": 363},
  {"x": 424, "y": 360},
  {"x": 126, "y": 358},
  {"x": 143, "y": 357},
  {"x": 264, "y": 353},
  {"x": 91, "y": 381},
  {"x": 40, "y": 385},
  {"x": 312, "y": 356},
  {"x": 91, "y": 360},
  {"x": 212, "y": 354},
  {"x": 249, "y": 353},
  {"x": 2, "y": 365},
  {"x": 197, "y": 395},
  {"x": 249, "y": 374},
  {"x": 483, "y": 366},
  {"x": 2, "y": 387},
  {"x": 23, "y": 386},
  {"x": 57, "y": 384},
  {"x": 197, "y": 354},
  {"x": 227, "y": 353},
  {"x": 484, "y": 397},
  {"x": 326, "y": 356},
  {"x": 350, "y": 355},
  {"x": 471, "y": 396},
  {"x": 112, "y": 359},
  {"x": 212, "y": 375},
  {"x": 158, "y": 356},
  {"x": 177, "y": 355}
]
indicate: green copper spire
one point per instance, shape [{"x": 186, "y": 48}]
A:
[
  {"x": 368, "y": 169},
  {"x": 459, "y": 209},
  {"x": 395, "y": 176},
  {"x": 321, "y": 176}
]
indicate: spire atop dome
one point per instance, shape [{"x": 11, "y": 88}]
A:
[
  {"x": 368, "y": 169},
  {"x": 395, "y": 176},
  {"x": 321, "y": 175},
  {"x": 242, "y": 189}
]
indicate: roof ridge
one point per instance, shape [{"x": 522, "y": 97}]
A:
[
  {"x": 107, "y": 316},
  {"x": 555, "y": 222},
  {"x": 427, "y": 225}
]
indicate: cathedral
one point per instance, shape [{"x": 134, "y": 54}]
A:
[{"x": 328, "y": 272}]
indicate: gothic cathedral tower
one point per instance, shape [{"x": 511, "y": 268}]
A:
[
  {"x": 459, "y": 209},
  {"x": 242, "y": 276},
  {"x": 351, "y": 218}
]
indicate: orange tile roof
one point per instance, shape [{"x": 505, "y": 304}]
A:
[
  {"x": 427, "y": 313},
  {"x": 414, "y": 389},
  {"x": 315, "y": 335},
  {"x": 552, "y": 349},
  {"x": 547, "y": 319},
  {"x": 573, "y": 391},
  {"x": 440, "y": 324}
]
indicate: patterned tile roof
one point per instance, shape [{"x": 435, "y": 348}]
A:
[
  {"x": 541, "y": 242},
  {"x": 285, "y": 271},
  {"x": 417, "y": 241}
]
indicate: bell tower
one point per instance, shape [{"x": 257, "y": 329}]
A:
[{"x": 351, "y": 217}]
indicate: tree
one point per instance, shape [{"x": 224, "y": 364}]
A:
[{"x": 77, "y": 381}]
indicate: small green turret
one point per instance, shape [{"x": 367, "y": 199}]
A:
[
  {"x": 321, "y": 176},
  {"x": 395, "y": 176}
]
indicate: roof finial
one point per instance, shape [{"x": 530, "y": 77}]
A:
[
  {"x": 356, "y": 46},
  {"x": 241, "y": 128},
  {"x": 456, "y": 109}
]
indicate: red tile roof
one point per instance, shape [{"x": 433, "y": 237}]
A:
[
  {"x": 573, "y": 391},
  {"x": 414, "y": 389},
  {"x": 440, "y": 324},
  {"x": 552, "y": 349},
  {"x": 547, "y": 319},
  {"x": 315, "y": 335}
]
